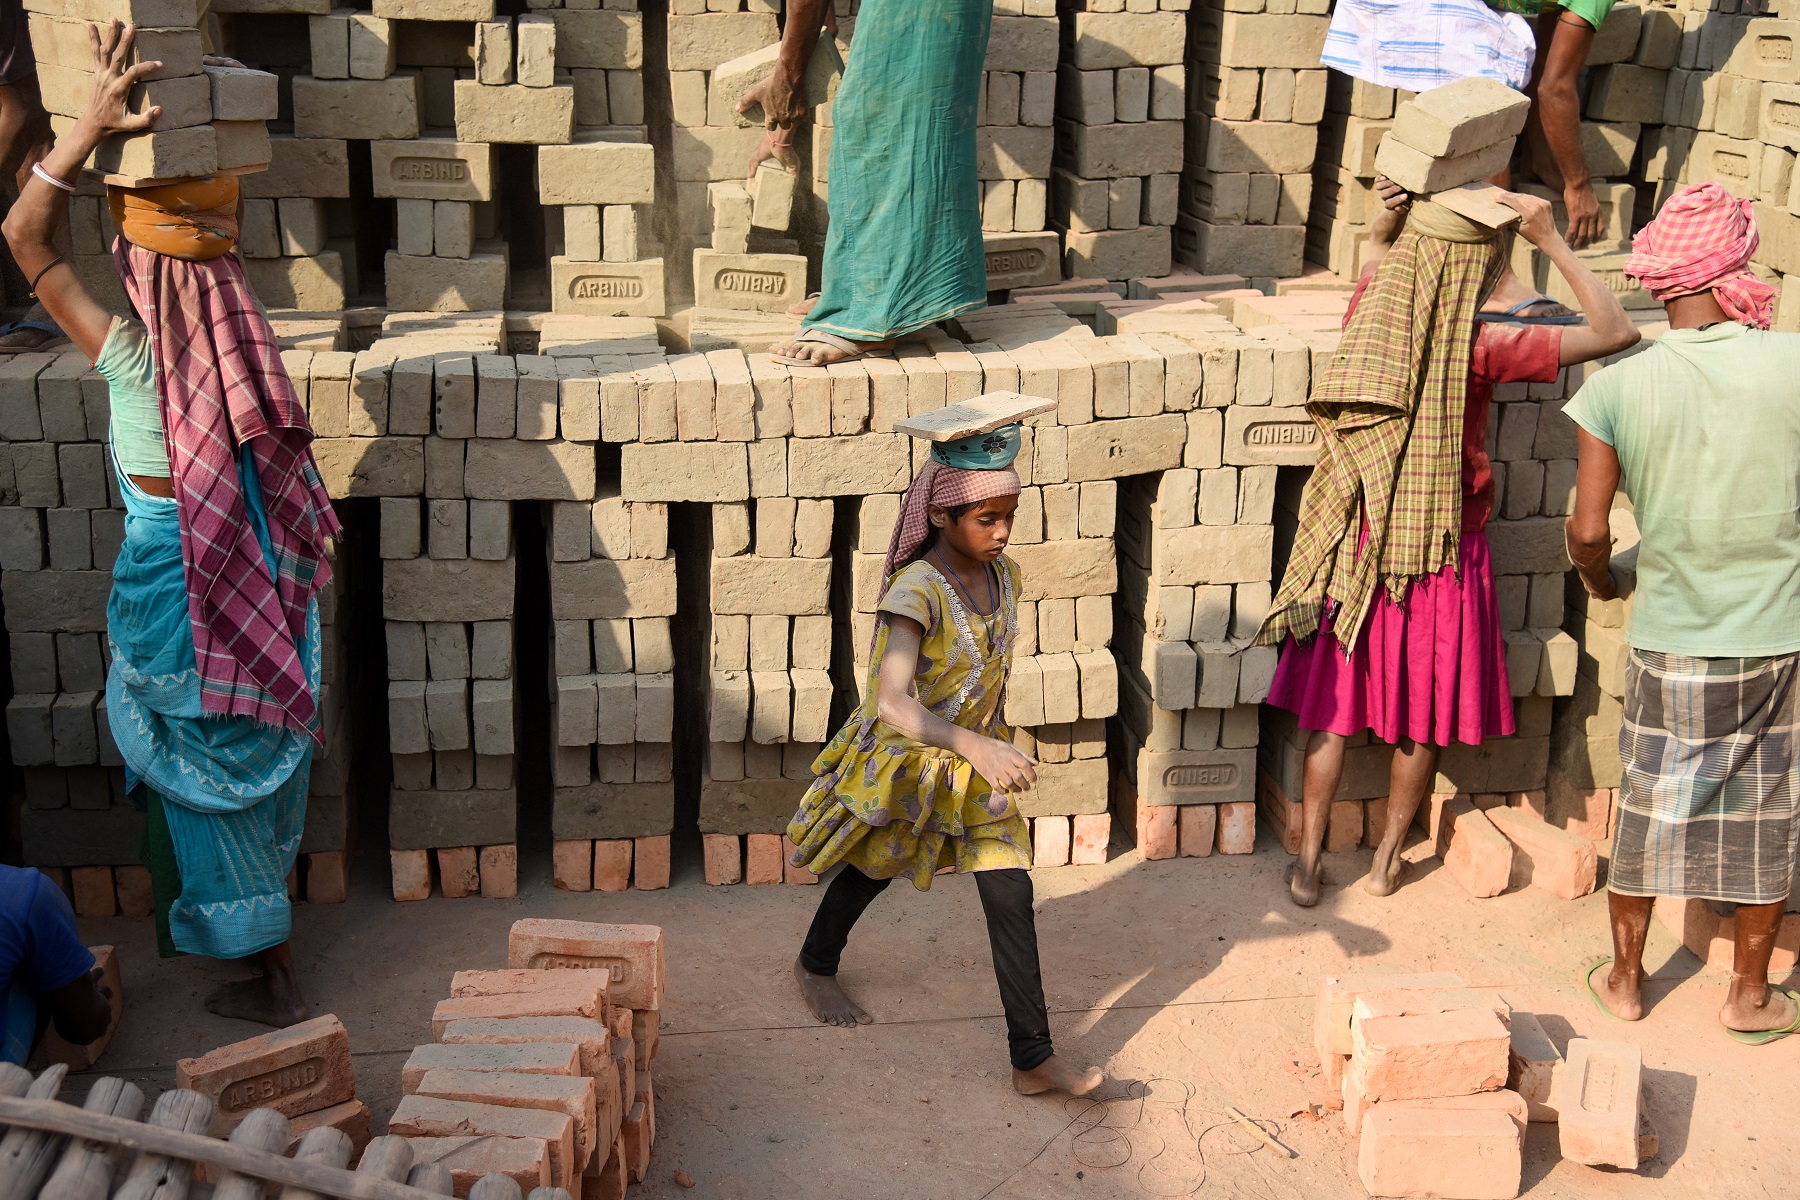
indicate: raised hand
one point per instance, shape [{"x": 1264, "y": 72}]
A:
[{"x": 109, "y": 105}]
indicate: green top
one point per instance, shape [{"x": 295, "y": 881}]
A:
[
  {"x": 1706, "y": 424},
  {"x": 1594, "y": 12},
  {"x": 137, "y": 427}
]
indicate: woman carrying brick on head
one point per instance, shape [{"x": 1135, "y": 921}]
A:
[
  {"x": 1386, "y": 614},
  {"x": 214, "y": 629},
  {"x": 904, "y": 248},
  {"x": 920, "y": 778}
]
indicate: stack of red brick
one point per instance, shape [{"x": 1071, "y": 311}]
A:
[
  {"x": 1439, "y": 1082},
  {"x": 752, "y": 858},
  {"x": 302, "y": 1072},
  {"x": 541, "y": 1072}
]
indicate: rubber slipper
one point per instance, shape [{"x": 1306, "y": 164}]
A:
[
  {"x": 1515, "y": 315},
  {"x": 1587, "y": 980},
  {"x": 851, "y": 350},
  {"x": 1762, "y": 1037}
]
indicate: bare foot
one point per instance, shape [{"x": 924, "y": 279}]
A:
[
  {"x": 1055, "y": 1075},
  {"x": 1303, "y": 884},
  {"x": 821, "y": 354},
  {"x": 827, "y": 1000},
  {"x": 1387, "y": 871},
  {"x": 256, "y": 1000},
  {"x": 802, "y": 308},
  {"x": 1777, "y": 1011},
  {"x": 1620, "y": 992}
]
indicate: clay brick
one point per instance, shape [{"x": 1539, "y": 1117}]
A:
[
  {"x": 327, "y": 877},
  {"x": 1092, "y": 835},
  {"x": 547, "y": 1003},
  {"x": 1199, "y": 830},
  {"x": 1418, "y": 172},
  {"x": 573, "y": 1095},
  {"x": 724, "y": 858},
  {"x": 1156, "y": 831},
  {"x": 1534, "y": 1066},
  {"x": 80, "y": 1058},
  {"x": 632, "y": 954},
  {"x": 132, "y": 884},
  {"x": 1433, "y": 1054},
  {"x": 351, "y": 1118},
  {"x": 299, "y": 1069},
  {"x": 1431, "y": 1152},
  {"x": 650, "y": 862},
  {"x": 525, "y": 1161},
  {"x": 525, "y": 1058},
  {"x": 612, "y": 864},
  {"x": 94, "y": 894},
  {"x": 1562, "y": 863},
  {"x": 1336, "y": 1002},
  {"x": 1414, "y": 1002},
  {"x": 412, "y": 874},
  {"x": 573, "y": 865},
  {"x": 431, "y": 1116},
  {"x": 1345, "y": 828},
  {"x": 586, "y": 1034},
  {"x": 1050, "y": 840},
  {"x": 789, "y": 872},
  {"x": 500, "y": 871},
  {"x": 584, "y": 988},
  {"x": 1479, "y": 857},
  {"x": 1460, "y": 118},
  {"x": 1237, "y": 828},
  {"x": 1597, "y": 1104},
  {"x": 459, "y": 871},
  {"x": 762, "y": 858}
]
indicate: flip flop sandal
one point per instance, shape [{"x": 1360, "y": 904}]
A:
[
  {"x": 1587, "y": 981},
  {"x": 1516, "y": 314},
  {"x": 851, "y": 350},
  {"x": 1762, "y": 1037},
  {"x": 57, "y": 336}
]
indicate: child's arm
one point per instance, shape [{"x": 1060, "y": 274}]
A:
[{"x": 1003, "y": 765}]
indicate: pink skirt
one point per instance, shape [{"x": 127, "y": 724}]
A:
[{"x": 1432, "y": 668}]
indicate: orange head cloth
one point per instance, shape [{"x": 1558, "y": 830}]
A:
[{"x": 195, "y": 219}]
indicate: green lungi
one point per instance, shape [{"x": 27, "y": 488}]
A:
[{"x": 904, "y": 248}]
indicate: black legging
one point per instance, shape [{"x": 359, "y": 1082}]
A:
[{"x": 1006, "y": 897}]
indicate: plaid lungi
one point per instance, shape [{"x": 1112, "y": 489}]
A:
[{"x": 1710, "y": 804}]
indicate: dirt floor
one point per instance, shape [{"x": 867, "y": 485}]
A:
[{"x": 1191, "y": 981}]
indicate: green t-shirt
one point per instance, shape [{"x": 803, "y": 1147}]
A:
[
  {"x": 129, "y": 368},
  {"x": 1594, "y": 12},
  {"x": 1706, "y": 424}
]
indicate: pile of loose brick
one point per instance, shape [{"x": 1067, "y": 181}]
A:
[
  {"x": 541, "y": 1072},
  {"x": 1439, "y": 1082}
]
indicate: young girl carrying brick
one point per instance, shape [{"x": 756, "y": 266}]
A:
[{"x": 920, "y": 779}]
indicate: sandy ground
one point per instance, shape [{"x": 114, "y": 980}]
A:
[{"x": 1191, "y": 981}]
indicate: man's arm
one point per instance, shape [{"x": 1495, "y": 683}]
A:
[
  {"x": 1589, "y": 530},
  {"x": 1386, "y": 227},
  {"x": 783, "y": 94},
  {"x": 1609, "y": 329},
  {"x": 1556, "y": 110}
]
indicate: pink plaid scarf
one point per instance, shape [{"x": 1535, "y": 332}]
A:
[
  {"x": 219, "y": 373},
  {"x": 945, "y": 487},
  {"x": 1701, "y": 241}
]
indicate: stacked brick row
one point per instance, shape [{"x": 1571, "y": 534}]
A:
[
  {"x": 1015, "y": 142},
  {"x": 542, "y": 1072},
  {"x": 1120, "y": 102},
  {"x": 1256, "y": 97},
  {"x": 1440, "y": 1082},
  {"x": 1345, "y": 202},
  {"x": 63, "y": 523}
]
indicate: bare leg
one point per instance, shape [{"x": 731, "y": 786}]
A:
[
  {"x": 273, "y": 998},
  {"x": 1055, "y": 1075},
  {"x": 1409, "y": 781},
  {"x": 1622, "y": 991},
  {"x": 826, "y": 999},
  {"x": 1752, "y": 1005},
  {"x": 1324, "y": 770}
]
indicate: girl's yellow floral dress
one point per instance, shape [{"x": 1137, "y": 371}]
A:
[{"x": 891, "y": 806}]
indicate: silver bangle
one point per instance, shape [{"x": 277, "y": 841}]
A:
[{"x": 37, "y": 168}]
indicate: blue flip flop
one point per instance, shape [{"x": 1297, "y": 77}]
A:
[
  {"x": 57, "y": 336},
  {"x": 1515, "y": 315}
]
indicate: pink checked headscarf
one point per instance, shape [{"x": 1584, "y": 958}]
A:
[
  {"x": 1701, "y": 241},
  {"x": 945, "y": 487}
]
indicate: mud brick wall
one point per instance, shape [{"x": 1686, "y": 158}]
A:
[{"x": 1256, "y": 95}]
